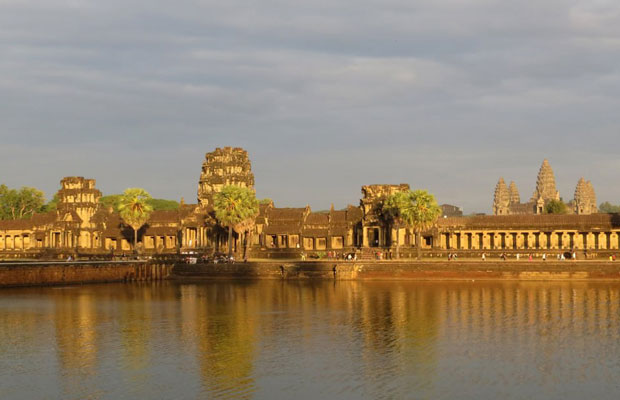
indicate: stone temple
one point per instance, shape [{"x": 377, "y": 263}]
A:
[
  {"x": 83, "y": 227},
  {"x": 507, "y": 200}
]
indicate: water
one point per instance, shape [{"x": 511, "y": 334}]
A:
[{"x": 311, "y": 340}]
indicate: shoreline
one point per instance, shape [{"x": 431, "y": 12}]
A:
[
  {"x": 404, "y": 270},
  {"x": 51, "y": 273}
]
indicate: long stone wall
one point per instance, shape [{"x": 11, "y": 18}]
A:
[
  {"x": 60, "y": 273},
  {"x": 416, "y": 270}
]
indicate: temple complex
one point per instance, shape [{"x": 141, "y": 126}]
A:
[
  {"x": 507, "y": 200},
  {"x": 82, "y": 226}
]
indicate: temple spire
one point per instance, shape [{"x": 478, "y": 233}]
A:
[
  {"x": 585, "y": 198},
  {"x": 545, "y": 184},
  {"x": 513, "y": 193},
  {"x": 501, "y": 199}
]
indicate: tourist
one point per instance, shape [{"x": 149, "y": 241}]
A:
[
  {"x": 530, "y": 257},
  {"x": 484, "y": 257},
  {"x": 518, "y": 256},
  {"x": 574, "y": 256},
  {"x": 562, "y": 258},
  {"x": 544, "y": 257}
]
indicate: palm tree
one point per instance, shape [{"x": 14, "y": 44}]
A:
[
  {"x": 421, "y": 214},
  {"x": 233, "y": 206},
  {"x": 395, "y": 208},
  {"x": 135, "y": 210}
]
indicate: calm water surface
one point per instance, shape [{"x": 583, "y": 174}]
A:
[{"x": 305, "y": 340}]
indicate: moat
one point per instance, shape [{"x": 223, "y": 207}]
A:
[{"x": 312, "y": 339}]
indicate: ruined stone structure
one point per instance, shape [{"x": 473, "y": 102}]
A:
[
  {"x": 81, "y": 225},
  {"x": 222, "y": 167},
  {"x": 507, "y": 200}
]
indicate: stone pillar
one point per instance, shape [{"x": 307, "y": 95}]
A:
[
  {"x": 602, "y": 241},
  {"x": 578, "y": 241},
  {"x": 613, "y": 241},
  {"x": 531, "y": 241},
  {"x": 542, "y": 240},
  {"x": 364, "y": 237},
  {"x": 486, "y": 240},
  {"x": 509, "y": 241},
  {"x": 591, "y": 240},
  {"x": 519, "y": 244}
]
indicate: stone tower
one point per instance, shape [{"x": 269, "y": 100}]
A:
[
  {"x": 545, "y": 188},
  {"x": 513, "y": 193},
  {"x": 585, "y": 198},
  {"x": 501, "y": 200},
  {"x": 78, "y": 195},
  {"x": 222, "y": 167}
]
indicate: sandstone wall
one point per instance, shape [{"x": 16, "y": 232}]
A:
[
  {"x": 59, "y": 273},
  {"x": 423, "y": 270}
]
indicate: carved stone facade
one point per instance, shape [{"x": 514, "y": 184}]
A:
[
  {"x": 545, "y": 187},
  {"x": 222, "y": 167},
  {"x": 585, "y": 198},
  {"x": 507, "y": 201}
]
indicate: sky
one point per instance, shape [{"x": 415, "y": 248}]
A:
[{"x": 325, "y": 95}]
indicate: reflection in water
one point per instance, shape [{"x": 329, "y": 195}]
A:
[{"x": 312, "y": 339}]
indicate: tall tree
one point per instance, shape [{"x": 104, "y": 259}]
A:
[
  {"x": 233, "y": 206},
  {"x": 20, "y": 204},
  {"x": 397, "y": 209},
  {"x": 135, "y": 210},
  {"x": 421, "y": 215}
]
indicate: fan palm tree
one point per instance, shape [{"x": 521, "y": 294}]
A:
[
  {"x": 135, "y": 210},
  {"x": 234, "y": 206},
  {"x": 421, "y": 214}
]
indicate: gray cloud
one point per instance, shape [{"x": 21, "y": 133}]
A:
[{"x": 326, "y": 96}]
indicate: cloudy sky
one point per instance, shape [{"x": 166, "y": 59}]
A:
[{"x": 326, "y": 95}]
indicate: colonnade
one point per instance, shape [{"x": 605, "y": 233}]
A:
[
  {"x": 529, "y": 240},
  {"x": 15, "y": 242}
]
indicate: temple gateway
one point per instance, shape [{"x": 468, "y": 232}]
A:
[{"x": 82, "y": 226}]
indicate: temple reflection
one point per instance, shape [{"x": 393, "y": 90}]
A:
[{"x": 373, "y": 339}]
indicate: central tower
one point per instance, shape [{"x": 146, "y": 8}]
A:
[{"x": 222, "y": 167}]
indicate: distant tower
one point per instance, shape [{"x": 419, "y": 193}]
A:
[
  {"x": 513, "y": 192},
  {"x": 222, "y": 167},
  {"x": 501, "y": 200},
  {"x": 585, "y": 198},
  {"x": 545, "y": 188}
]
